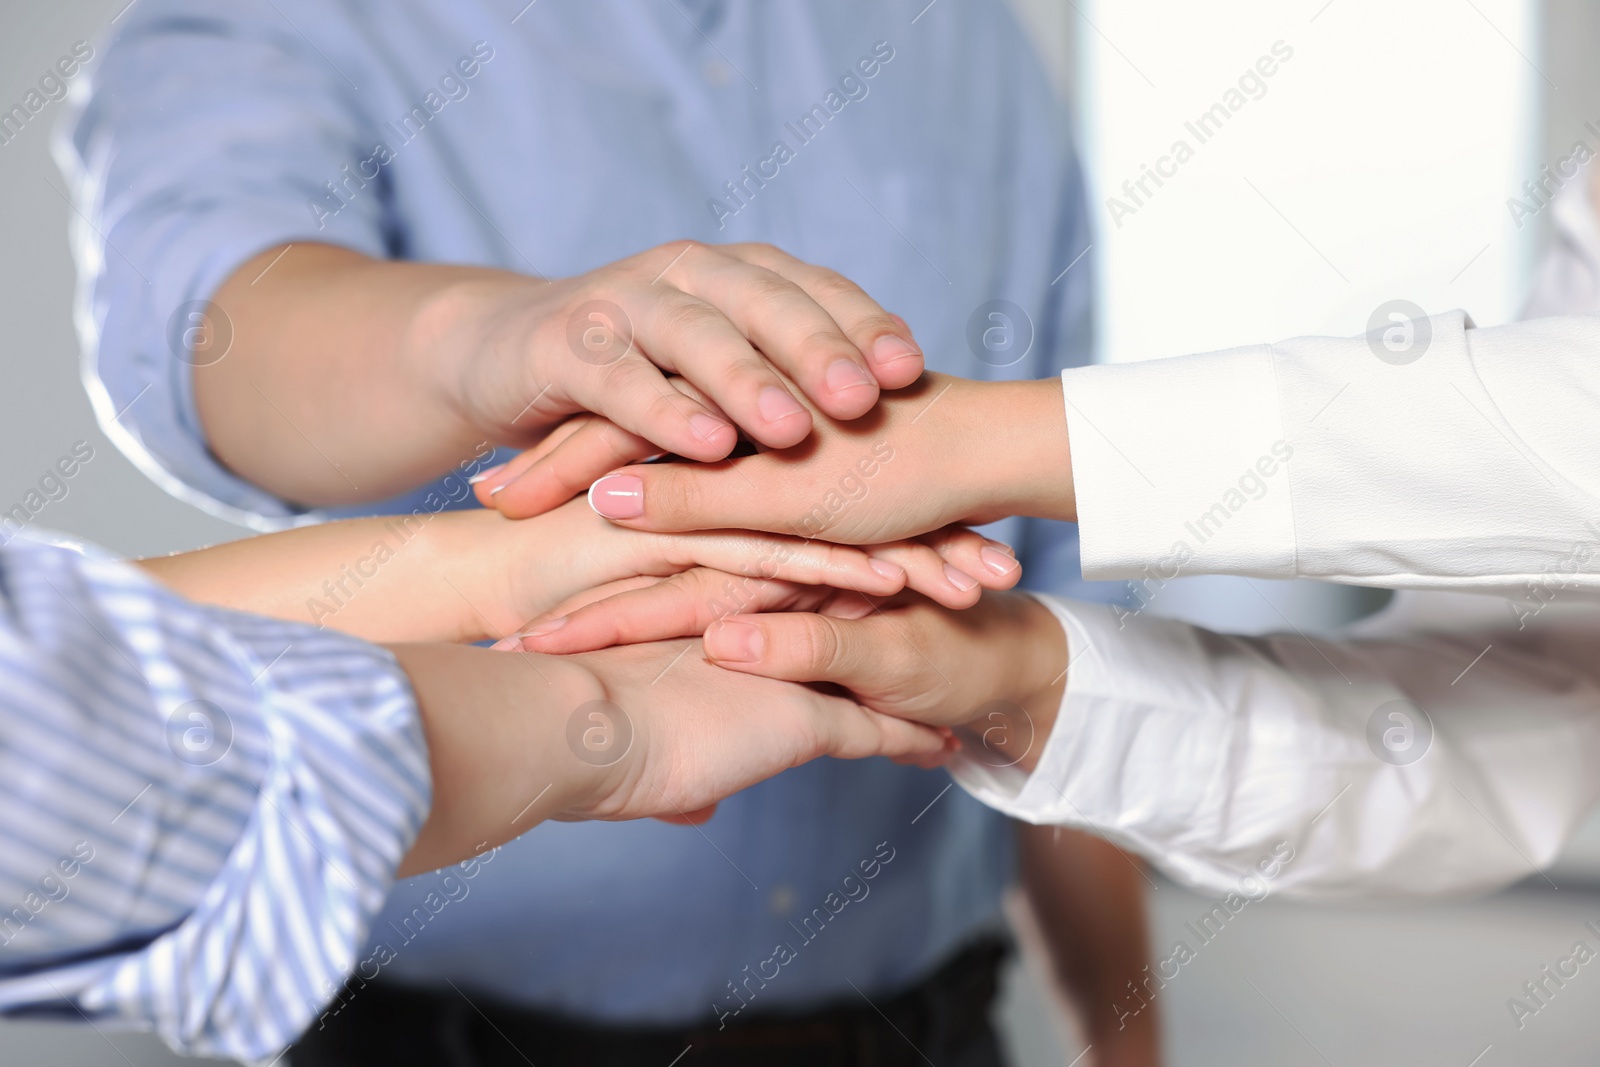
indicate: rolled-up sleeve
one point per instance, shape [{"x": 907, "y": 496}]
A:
[
  {"x": 200, "y": 140},
  {"x": 202, "y": 811}
]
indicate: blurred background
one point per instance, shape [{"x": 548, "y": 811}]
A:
[{"x": 1375, "y": 163}]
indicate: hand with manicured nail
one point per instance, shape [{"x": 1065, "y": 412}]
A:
[
  {"x": 468, "y": 354},
  {"x": 474, "y": 575},
  {"x": 941, "y": 451},
  {"x": 951, "y": 567}
]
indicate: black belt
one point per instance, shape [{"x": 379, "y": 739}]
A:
[{"x": 944, "y": 1018}]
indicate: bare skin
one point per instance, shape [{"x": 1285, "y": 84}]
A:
[{"x": 346, "y": 379}]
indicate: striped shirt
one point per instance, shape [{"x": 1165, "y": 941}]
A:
[{"x": 201, "y": 811}]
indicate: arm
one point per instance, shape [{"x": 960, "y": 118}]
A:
[
  {"x": 249, "y": 318},
  {"x": 1405, "y": 764},
  {"x": 205, "y": 810},
  {"x": 459, "y": 355},
  {"x": 1314, "y": 457},
  {"x": 467, "y": 576},
  {"x": 1087, "y": 897}
]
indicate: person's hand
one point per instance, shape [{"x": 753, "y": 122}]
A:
[
  {"x": 944, "y": 450},
  {"x": 562, "y": 557},
  {"x": 627, "y": 733},
  {"x": 741, "y": 321},
  {"x": 940, "y": 566},
  {"x": 905, "y": 656},
  {"x": 701, "y": 737}
]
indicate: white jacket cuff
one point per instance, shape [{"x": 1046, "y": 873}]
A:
[{"x": 1208, "y": 492}]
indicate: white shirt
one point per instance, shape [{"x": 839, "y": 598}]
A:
[{"x": 1449, "y": 744}]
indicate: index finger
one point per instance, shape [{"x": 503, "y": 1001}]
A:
[{"x": 892, "y": 354}]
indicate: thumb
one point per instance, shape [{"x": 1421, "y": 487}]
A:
[
  {"x": 863, "y": 655},
  {"x": 748, "y": 493},
  {"x": 689, "y": 818},
  {"x": 548, "y": 476}
]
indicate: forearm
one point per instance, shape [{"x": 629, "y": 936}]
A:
[
  {"x": 335, "y": 387},
  {"x": 1173, "y": 741},
  {"x": 440, "y": 577},
  {"x": 496, "y": 726},
  {"x": 1014, "y": 453},
  {"x": 1088, "y": 899}
]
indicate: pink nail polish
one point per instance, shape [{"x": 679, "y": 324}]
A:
[
  {"x": 776, "y": 404},
  {"x": 549, "y": 626},
  {"x": 997, "y": 560},
  {"x": 892, "y": 571},
  {"x": 706, "y": 426},
  {"x": 891, "y": 349},
  {"x": 736, "y": 642},
  {"x": 959, "y": 579},
  {"x": 846, "y": 374},
  {"x": 618, "y": 496}
]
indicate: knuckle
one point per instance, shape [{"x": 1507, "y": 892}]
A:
[
  {"x": 673, "y": 492},
  {"x": 831, "y": 285},
  {"x": 625, "y": 375},
  {"x": 769, "y": 288},
  {"x": 823, "y": 344},
  {"x": 688, "y": 318},
  {"x": 818, "y": 644}
]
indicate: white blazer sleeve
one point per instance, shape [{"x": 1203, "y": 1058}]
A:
[
  {"x": 1433, "y": 454},
  {"x": 1403, "y": 766}
]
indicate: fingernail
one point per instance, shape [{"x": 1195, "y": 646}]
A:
[
  {"x": 736, "y": 642},
  {"x": 776, "y": 404},
  {"x": 846, "y": 374},
  {"x": 483, "y": 476},
  {"x": 507, "y": 644},
  {"x": 549, "y": 626},
  {"x": 618, "y": 496},
  {"x": 997, "y": 560},
  {"x": 891, "y": 349},
  {"x": 1001, "y": 546},
  {"x": 960, "y": 580},
  {"x": 706, "y": 426},
  {"x": 892, "y": 571}
]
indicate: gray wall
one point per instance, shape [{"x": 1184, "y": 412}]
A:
[{"x": 43, "y": 409}]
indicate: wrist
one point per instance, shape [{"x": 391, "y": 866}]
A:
[
  {"x": 1020, "y": 462},
  {"x": 469, "y": 338},
  {"x": 1018, "y": 715},
  {"x": 495, "y": 726}
]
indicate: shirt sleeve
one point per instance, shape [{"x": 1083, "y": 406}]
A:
[
  {"x": 1401, "y": 763},
  {"x": 206, "y": 135},
  {"x": 1428, "y": 454},
  {"x": 202, "y": 811}
]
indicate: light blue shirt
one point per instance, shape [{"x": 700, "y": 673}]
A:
[
  {"x": 922, "y": 154},
  {"x": 200, "y": 811}
]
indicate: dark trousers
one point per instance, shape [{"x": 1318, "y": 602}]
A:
[{"x": 944, "y": 1019}]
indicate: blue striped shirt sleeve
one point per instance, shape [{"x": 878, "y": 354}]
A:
[{"x": 201, "y": 812}]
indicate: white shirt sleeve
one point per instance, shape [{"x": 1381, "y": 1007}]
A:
[
  {"x": 1467, "y": 459},
  {"x": 1407, "y": 765}
]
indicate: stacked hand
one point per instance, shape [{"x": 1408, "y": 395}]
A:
[{"x": 914, "y": 655}]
